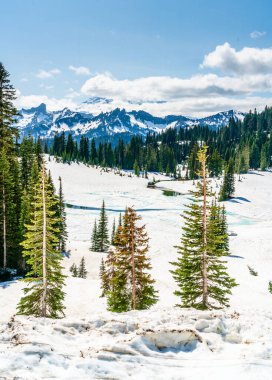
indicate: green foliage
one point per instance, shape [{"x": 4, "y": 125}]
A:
[
  {"x": 200, "y": 272},
  {"x": 127, "y": 282},
  {"x": 43, "y": 297},
  {"x": 94, "y": 240},
  {"x": 10, "y": 184},
  {"x": 270, "y": 287},
  {"x": 228, "y": 186},
  {"x": 82, "y": 271},
  {"x": 252, "y": 271},
  {"x": 113, "y": 232},
  {"x": 102, "y": 235},
  {"x": 136, "y": 169},
  {"x": 73, "y": 269},
  {"x": 61, "y": 214}
]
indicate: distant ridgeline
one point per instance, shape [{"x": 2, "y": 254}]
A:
[{"x": 246, "y": 144}]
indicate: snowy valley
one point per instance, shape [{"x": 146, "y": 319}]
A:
[{"x": 165, "y": 341}]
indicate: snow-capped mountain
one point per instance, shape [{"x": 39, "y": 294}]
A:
[{"x": 38, "y": 121}]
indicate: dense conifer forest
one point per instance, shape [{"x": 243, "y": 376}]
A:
[{"x": 241, "y": 145}]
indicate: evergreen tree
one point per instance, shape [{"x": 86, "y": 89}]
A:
[
  {"x": 131, "y": 285},
  {"x": 136, "y": 169},
  {"x": 62, "y": 219},
  {"x": 265, "y": 158},
  {"x": 26, "y": 162},
  {"x": 102, "y": 230},
  {"x": 82, "y": 271},
  {"x": 107, "y": 272},
  {"x": 228, "y": 186},
  {"x": 94, "y": 241},
  {"x": 44, "y": 296},
  {"x": 120, "y": 220},
  {"x": 200, "y": 271},
  {"x": 9, "y": 191},
  {"x": 215, "y": 164},
  {"x": 113, "y": 232},
  {"x": 102, "y": 271},
  {"x": 74, "y": 270},
  {"x": 7, "y": 211}
]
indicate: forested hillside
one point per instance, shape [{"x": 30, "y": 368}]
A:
[{"x": 247, "y": 143}]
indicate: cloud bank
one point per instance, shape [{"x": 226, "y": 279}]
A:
[{"x": 228, "y": 79}]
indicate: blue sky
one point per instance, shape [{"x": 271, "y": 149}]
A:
[{"x": 63, "y": 52}]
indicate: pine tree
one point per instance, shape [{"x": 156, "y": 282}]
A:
[
  {"x": 73, "y": 269},
  {"x": 136, "y": 169},
  {"x": 113, "y": 232},
  {"x": 94, "y": 241},
  {"x": 120, "y": 220},
  {"x": 228, "y": 186},
  {"x": 7, "y": 211},
  {"x": 44, "y": 296},
  {"x": 62, "y": 217},
  {"x": 102, "y": 270},
  {"x": 131, "y": 285},
  {"x": 9, "y": 196},
  {"x": 200, "y": 271},
  {"x": 82, "y": 271},
  {"x": 102, "y": 230},
  {"x": 107, "y": 272}
]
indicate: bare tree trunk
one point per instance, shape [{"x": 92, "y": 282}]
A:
[
  {"x": 205, "y": 279},
  {"x": 44, "y": 246},
  {"x": 4, "y": 226},
  {"x": 133, "y": 268}
]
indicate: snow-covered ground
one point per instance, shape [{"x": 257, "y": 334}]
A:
[{"x": 164, "y": 342}]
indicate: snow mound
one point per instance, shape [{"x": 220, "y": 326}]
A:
[
  {"x": 183, "y": 344},
  {"x": 185, "y": 340}
]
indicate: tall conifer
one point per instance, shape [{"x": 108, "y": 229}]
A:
[
  {"x": 200, "y": 272},
  {"x": 131, "y": 286},
  {"x": 43, "y": 297}
]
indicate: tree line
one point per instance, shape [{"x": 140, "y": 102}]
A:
[{"x": 243, "y": 144}]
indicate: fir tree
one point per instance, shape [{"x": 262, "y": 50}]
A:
[
  {"x": 102, "y": 230},
  {"x": 120, "y": 220},
  {"x": 200, "y": 271},
  {"x": 82, "y": 271},
  {"x": 102, "y": 271},
  {"x": 131, "y": 285},
  {"x": 7, "y": 210},
  {"x": 94, "y": 241},
  {"x": 113, "y": 232},
  {"x": 136, "y": 169},
  {"x": 228, "y": 186},
  {"x": 106, "y": 272},
  {"x": 9, "y": 190},
  {"x": 73, "y": 269},
  {"x": 270, "y": 287},
  {"x": 44, "y": 296},
  {"x": 62, "y": 217}
]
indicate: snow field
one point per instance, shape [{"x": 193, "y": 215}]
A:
[{"x": 164, "y": 342}]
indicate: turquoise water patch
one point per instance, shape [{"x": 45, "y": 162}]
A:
[{"x": 240, "y": 220}]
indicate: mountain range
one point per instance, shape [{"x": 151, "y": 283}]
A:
[{"x": 112, "y": 125}]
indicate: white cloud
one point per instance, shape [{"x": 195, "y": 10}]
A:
[
  {"x": 150, "y": 89},
  {"x": 72, "y": 93},
  {"x": 24, "y": 79},
  {"x": 246, "y": 61},
  {"x": 257, "y": 34},
  {"x": 246, "y": 83},
  {"x": 80, "y": 70},
  {"x": 43, "y": 74},
  {"x": 53, "y": 104}
]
